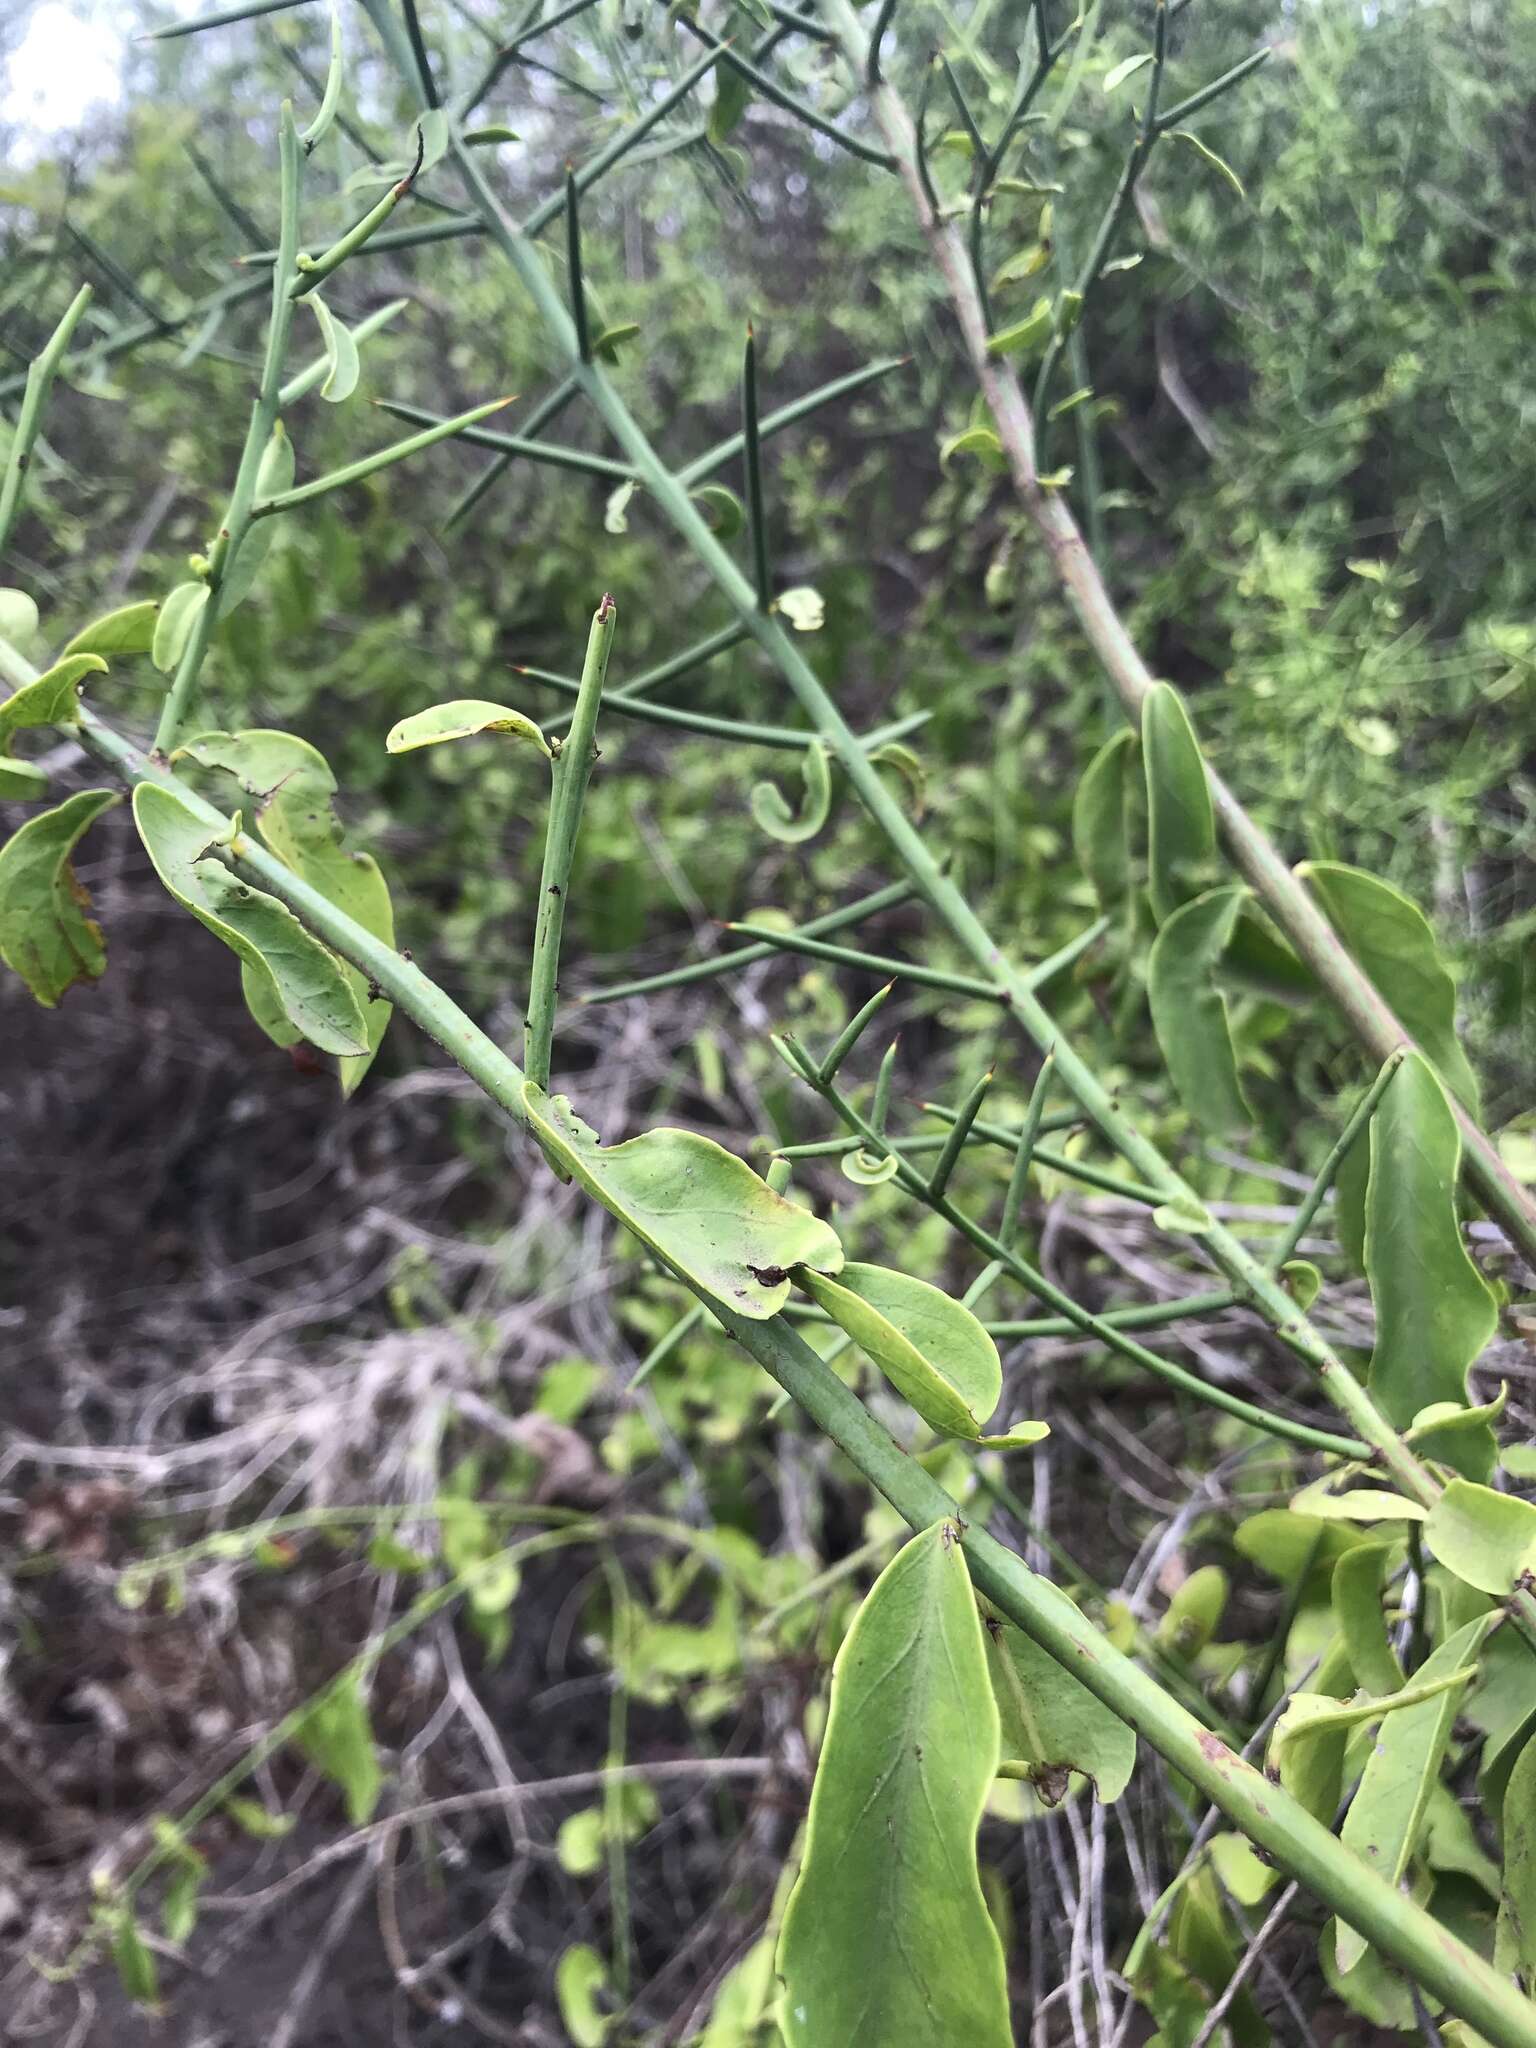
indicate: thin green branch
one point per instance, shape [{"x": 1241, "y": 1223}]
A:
[
  {"x": 955, "y": 1139},
  {"x": 314, "y": 270},
  {"x": 549, "y": 408},
  {"x": 1024, "y": 1153},
  {"x": 748, "y": 956},
  {"x": 249, "y": 10},
  {"x": 41, "y": 372},
  {"x": 788, "y": 739},
  {"x": 751, "y": 441},
  {"x": 870, "y": 963},
  {"x": 369, "y": 465},
  {"x": 1359, "y": 1117},
  {"x": 765, "y": 83},
  {"x": 552, "y": 453},
  {"x": 568, "y": 777},
  {"x": 1175, "y": 116},
  {"x": 574, "y": 280},
  {"x": 1057, "y": 1162}
]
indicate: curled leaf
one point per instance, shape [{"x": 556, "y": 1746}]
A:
[
  {"x": 698, "y": 1206},
  {"x": 298, "y": 976},
  {"x": 867, "y": 1171},
  {"x": 723, "y": 508},
  {"x": 53, "y": 698},
  {"x": 933, "y": 1350},
  {"x": 981, "y": 442},
  {"x": 45, "y": 932},
  {"x": 343, "y": 364},
  {"x": 775, "y": 817},
  {"x": 461, "y": 719},
  {"x": 1027, "y": 336},
  {"x": 294, "y": 791},
  {"x": 1217, "y": 163}
]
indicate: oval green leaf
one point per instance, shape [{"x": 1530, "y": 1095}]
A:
[
  {"x": 932, "y": 1350},
  {"x": 698, "y": 1206},
  {"x": 1392, "y": 941},
  {"x": 1487, "y": 1539},
  {"x": 343, "y": 364},
  {"x": 173, "y": 628},
  {"x": 462, "y": 719},
  {"x": 307, "y": 980},
  {"x": 1181, "y": 825},
  {"x": 1434, "y": 1311},
  {"x": 1189, "y": 1012},
  {"x": 45, "y": 933},
  {"x": 887, "y": 1938}
]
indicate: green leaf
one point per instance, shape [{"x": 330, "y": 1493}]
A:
[
  {"x": 53, "y": 698},
  {"x": 128, "y": 630},
  {"x": 337, "y": 1737},
  {"x": 1217, "y": 163},
  {"x": 1027, "y": 336},
  {"x": 273, "y": 476},
  {"x": 727, "y": 516},
  {"x": 887, "y": 1938},
  {"x": 866, "y": 1171},
  {"x": 742, "y": 2014},
  {"x": 733, "y": 94},
  {"x": 1302, "y": 1282},
  {"x": 580, "y": 1975},
  {"x": 610, "y": 343},
  {"x": 1194, "y": 1612},
  {"x": 1051, "y": 1724},
  {"x": 21, "y": 781},
  {"x": 18, "y": 618},
  {"x": 1388, "y": 1810},
  {"x": 1189, "y": 1012},
  {"x": 496, "y": 131},
  {"x": 256, "y": 1821},
  {"x": 701, "y": 1208},
  {"x": 1181, "y": 825},
  {"x": 1126, "y": 68},
  {"x": 330, "y": 99},
  {"x": 1391, "y": 940},
  {"x": 343, "y": 364},
  {"x": 1434, "y": 1312},
  {"x": 805, "y": 608},
  {"x": 461, "y": 719},
  {"x": 932, "y": 1349},
  {"x": 1517, "y": 1910},
  {"x": 307, "y": 981},
  {"x": 1357, "y": 1608},
  {"x": 432, "y": 126},
  {"x": 981, "y": 442},
  {"x": 1026, "y": 263},
  {"x": 294, "y": 788},
  {"x": 133, "y": 1959},
  {"x": 45, "y": 933},
  {"x": 1099, "y": 834},
  {"x": 1306, "y": 1750},
  {"x": 774, "y": 816},
  {"x": 173, "y": 628},
  {"x": 1487, "y": 1539}
]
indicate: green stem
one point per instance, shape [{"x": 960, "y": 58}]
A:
[
  {"x": 41, "y": 372},
  {"x": 569, "y": 773},
  {"x": 1360, "y": 1116},
  {"x": 748, "y": 956},
  {"x": 1266, "y": 1813},
  {"x": 240, "y": 511},
  {"x": 355, "y": 472},
  {"x": 869, "y": 963}
]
